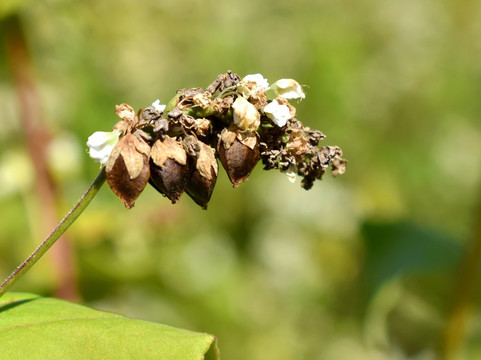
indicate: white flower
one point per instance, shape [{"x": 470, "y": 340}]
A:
[
  {"x": 251, "y": 84},
  {"x": 278, "y": 113},
  {"x": 158, "y": 106},
  {"x": 101, "y": 143},
  {"x": 246, "y": 116},
  {"x": 287, "y": 89},
  {"x": 257, "y": 79}
]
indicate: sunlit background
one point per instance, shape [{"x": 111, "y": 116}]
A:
[{"x": 368, "y": 265}]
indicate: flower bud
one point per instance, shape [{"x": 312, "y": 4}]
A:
[
  {"x": 101, "y": 143},
  {"x": 251, "y": 84},
  {"x": 246, "y": 116},
  {"x": 256, "y": 79},
  {"x": 202, "y": 181},
  {"x": 238, "y": 156},
  {"x": 287, "y": 89},
  {"x": 169, "y": 168},
  {"x": 127, "y": 170}
]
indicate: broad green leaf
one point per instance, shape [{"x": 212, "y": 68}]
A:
[
  {"x": 33, "y": 327},
  {"x": 395, "y": 249}
]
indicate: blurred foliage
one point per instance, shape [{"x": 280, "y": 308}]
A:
[{"x": 362, "y": 266}]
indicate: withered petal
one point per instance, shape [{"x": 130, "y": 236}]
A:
[
  {"x": 169, "y": 148},
  {"x": 249, "y": 139},
  {"x": 133, "y": 159},
  {"x": 125, "y": 112},
  {"x": 206, "y": 163},
  {"x": 227, "y": 137}
]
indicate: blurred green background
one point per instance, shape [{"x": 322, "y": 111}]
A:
[{"x": 380, "y": 263}]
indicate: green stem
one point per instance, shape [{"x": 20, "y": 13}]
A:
[
  {"x": 68, "y": 220},
  {"x": 171, "y": 104},
  {"x": 199, "y": 112},
  {"x": 227, "y": 91}
]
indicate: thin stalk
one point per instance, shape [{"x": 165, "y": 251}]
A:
[
  {"x": 22, "y": 70},
  {"x": 68, "y": 220}
]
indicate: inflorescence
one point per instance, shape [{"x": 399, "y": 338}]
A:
[{"x": 175, "y": 147}]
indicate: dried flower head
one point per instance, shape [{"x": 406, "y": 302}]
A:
[
  {"x": 202, "y": 181},
  {"x": 127, "y": 170},
  {"x": 169, "y": 168},
  {"x": 175, "y": 147},
  {"x": 238, "y": 154}
]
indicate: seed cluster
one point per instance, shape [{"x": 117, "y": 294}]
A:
[{"x": 175, "y": 147}]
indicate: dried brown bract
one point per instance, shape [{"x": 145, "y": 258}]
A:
[
  {"x": 127, "y": 170},
  {"x": 169, "y": 168},
  {"x": 202, "y": 181}
]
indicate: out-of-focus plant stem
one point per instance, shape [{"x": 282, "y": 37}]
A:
[
  {"x": 37, "y": 138},
  {"x": 463, "y": 291},
  {"x": 56, "y": 233}
]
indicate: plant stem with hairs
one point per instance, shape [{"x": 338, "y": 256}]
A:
[
  {"x": 68, "y": 220},
  {"x": 21, "y": 67}
]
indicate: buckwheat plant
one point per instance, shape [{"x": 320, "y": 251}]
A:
[{"x": 175, "y": 147}]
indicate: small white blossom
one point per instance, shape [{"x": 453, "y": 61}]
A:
[
  {"x": 287, "y": 89},
  {"x": 246, "y": 116},
  {"x": 101, "y": 143},
  {"x": 251, "y": 84},
  {"x": 278, "y": 113},
  {"x": 158, "y": 106},
  {"x": 257, "y": 79},
  {"x": 291, "y": 173}
]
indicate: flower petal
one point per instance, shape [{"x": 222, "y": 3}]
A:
[
  {"x": 278, "y": 113},
  {"x": 246, "y": 116},
  {"x": 287, "y": 89},
  {"x": 101, "y": 143},
  {"x": 257, "y": 79},
  {"x": 158, "y": 106}
]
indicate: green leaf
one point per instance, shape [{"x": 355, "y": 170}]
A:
[
  {"x": 396, "y": 249},
  {"x": 34, "y": 327}
]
